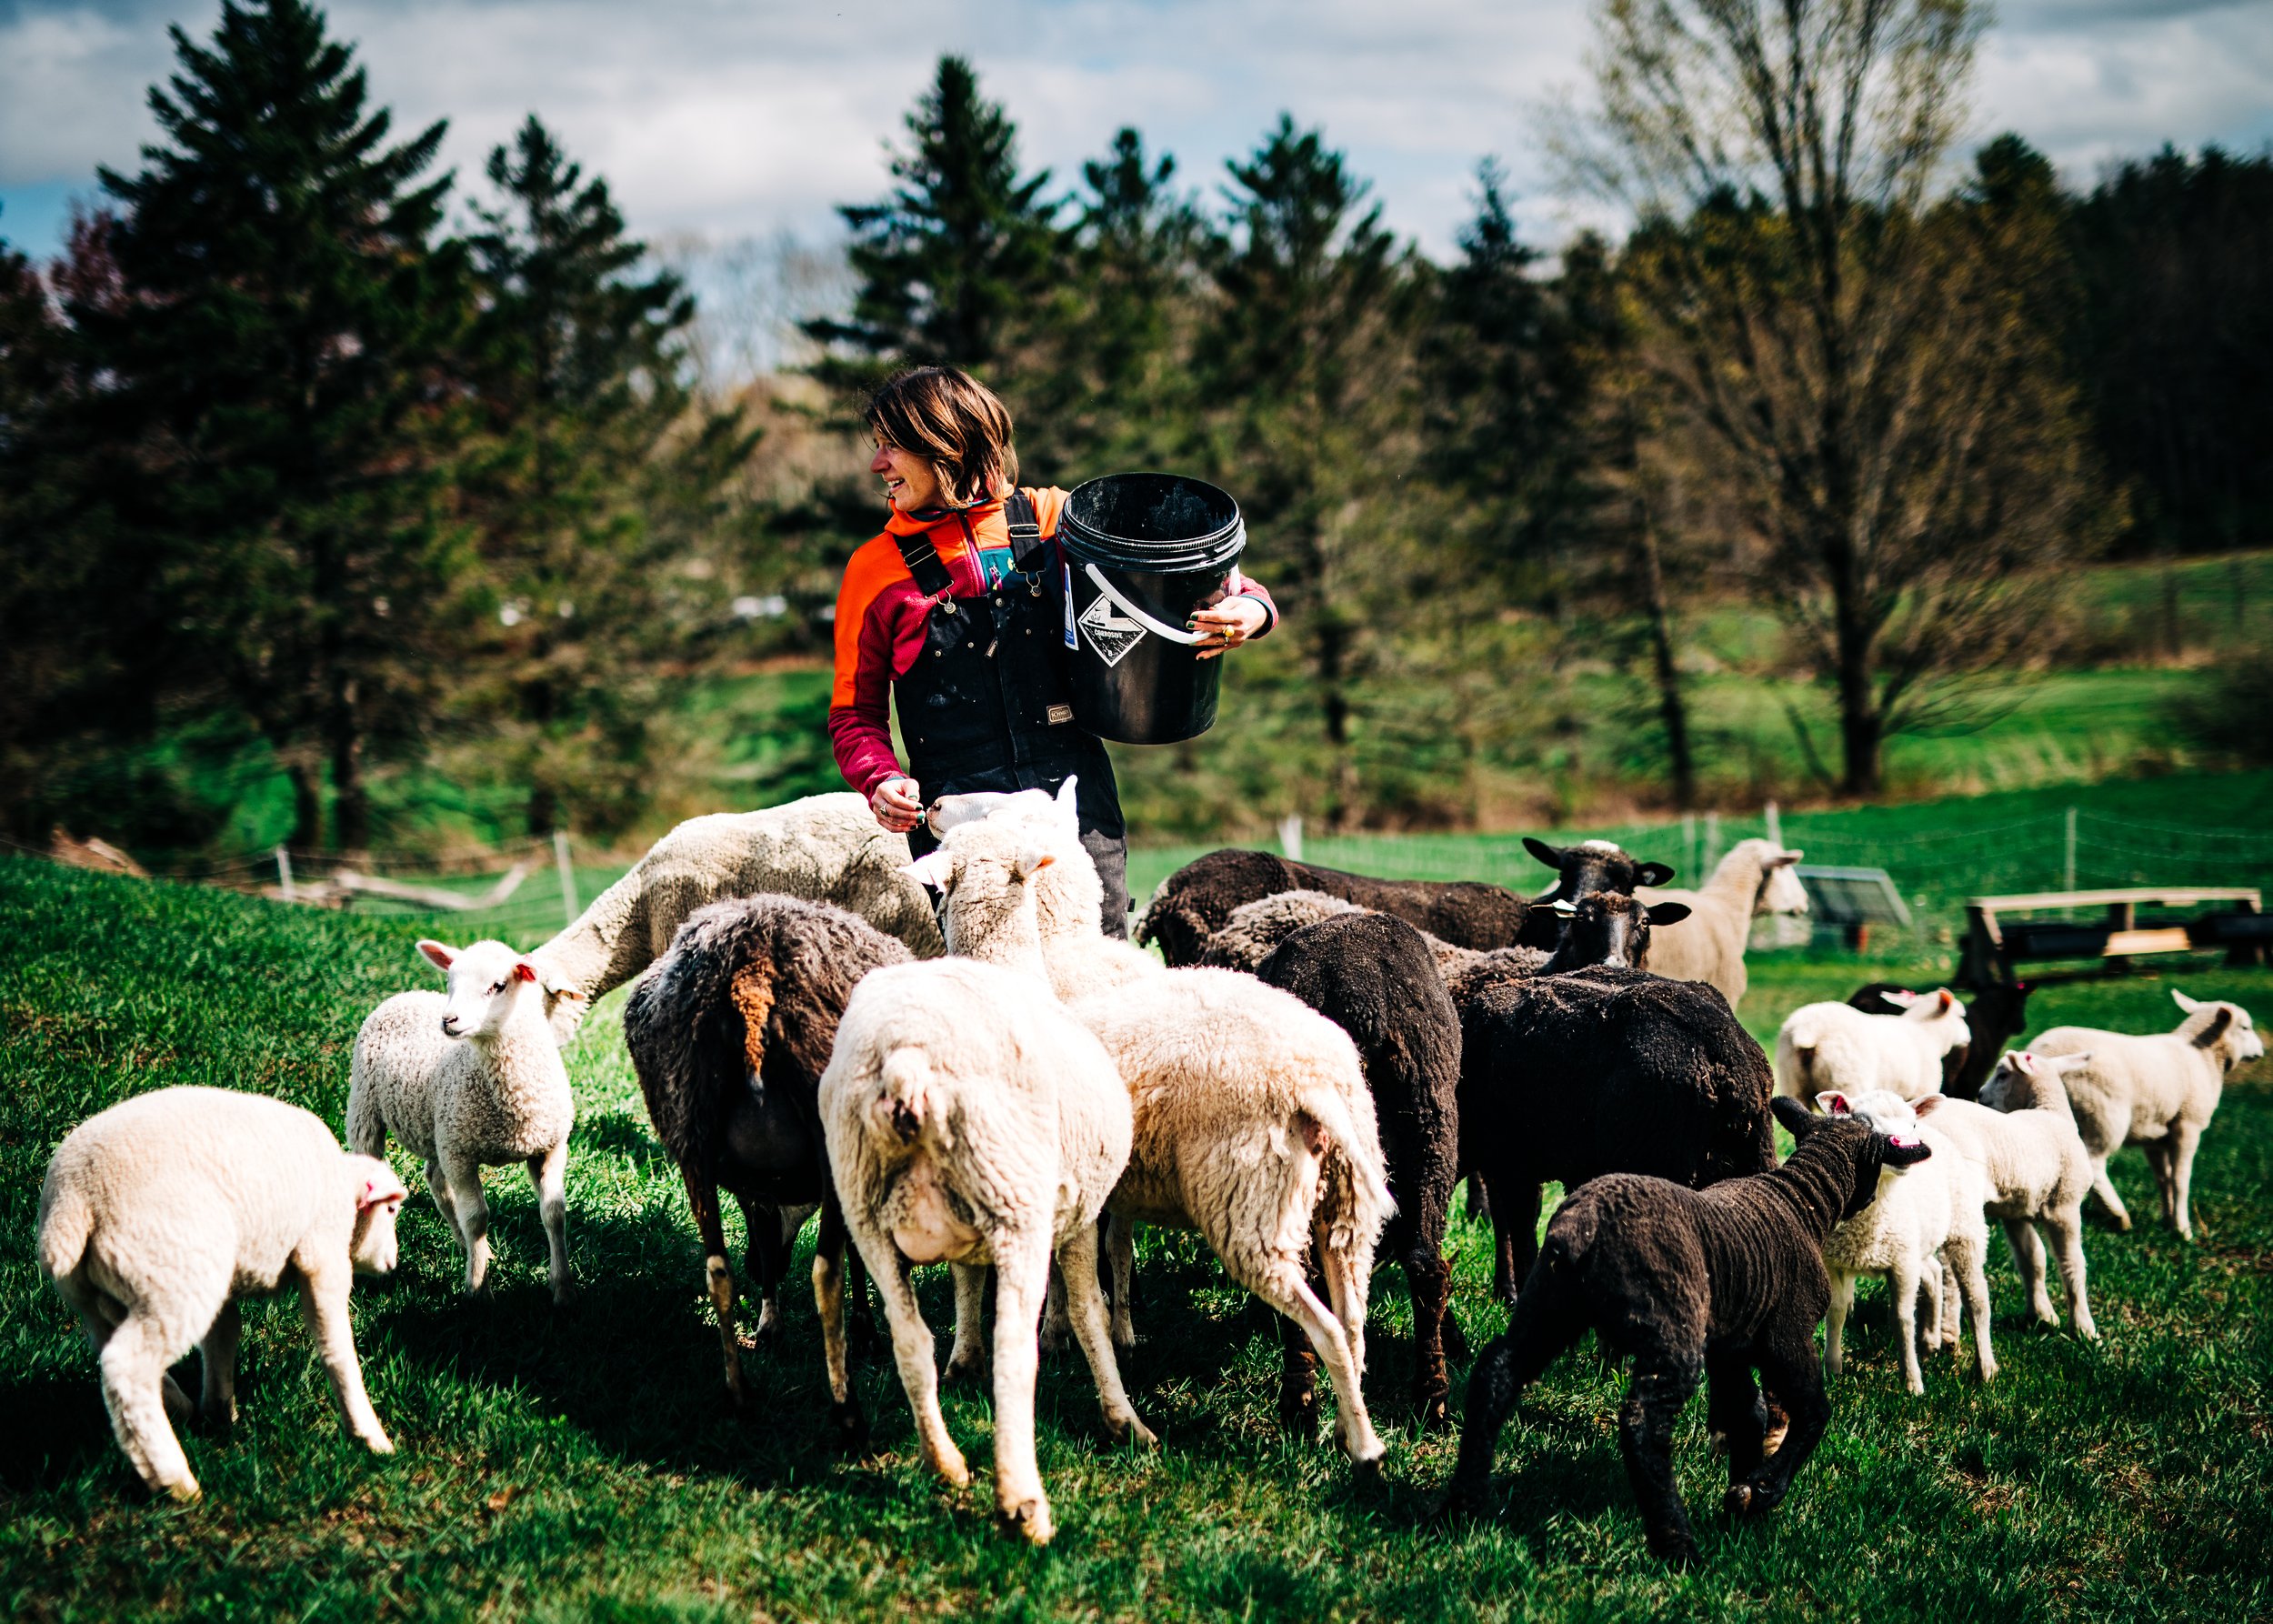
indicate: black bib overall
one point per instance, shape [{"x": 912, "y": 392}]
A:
[{"x": 989, "y": 703}]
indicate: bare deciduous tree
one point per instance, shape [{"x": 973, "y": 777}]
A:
[{"x": 1892, "y": 427}]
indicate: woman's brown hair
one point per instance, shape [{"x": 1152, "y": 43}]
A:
[{"x": 953, "y": 422}]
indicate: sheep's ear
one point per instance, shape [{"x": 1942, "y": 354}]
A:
[
  {"x": 1566, "y": 906},
  {"x": 379, "y": 1188},
  {"x": 1943, "y": 999},
  {"x": 2184, "y": 1002},
  {"x": 1033, "y": 860},
  {"x": 1667, "y": 913},
  {"x": 1540, "y": 849},
  {"x": 440, "y": 953},
  {"x": 1832, "y": 1103},
  {"x": 935, "y": 869},
  {"x": 1066, "y": 794},
  {"x": 1653, "y": 874},
  {"x": 1785, "y": 860},
  {"x": 1927, "y": 1105},
  {"x": 1797, "y": 1119},
  {"x": 2059, "y": 1063},
  {"x": 2023, "y": 1062},
  {"x": 2220, "y": 1023},
  {"x": 1906, "y": 1152},
  {"x": 1902, "y": 996}
]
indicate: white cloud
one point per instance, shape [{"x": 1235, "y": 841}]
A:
[{"x": 727, "y": 118}]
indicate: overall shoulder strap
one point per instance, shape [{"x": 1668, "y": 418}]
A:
[
  {"x": 1026, "y": 530},
  {"x": 923, "y": 562}
]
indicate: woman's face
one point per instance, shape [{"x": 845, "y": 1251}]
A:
[{"x": 909, "y": 480}]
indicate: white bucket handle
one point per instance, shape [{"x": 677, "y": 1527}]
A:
[{"x": 1156, "y": 627}]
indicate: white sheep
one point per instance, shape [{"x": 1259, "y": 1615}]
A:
[
  {"x": 2037, "y": 1168},
  {"x": 823, "y": 848},
  {"x": 970, "y": 1119},
  {"x": 161, "y": 1212},
  {"x": 1836, "y": 1046},
  {"x": 1755, "y": 877},
  {"x": 1253, "y": 1123},
  {"x": 468, "y": 1078},
  {"x": 2157, "y": 1092},
  {"x": 1930, "y": 1211}
]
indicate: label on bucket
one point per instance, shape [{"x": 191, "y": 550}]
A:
[{"x": 1111, "y": 633}]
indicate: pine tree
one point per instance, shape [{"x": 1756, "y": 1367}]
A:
[
  {"x": 949, "y": 262},
  {"x": 1309, "y": 364},
  {"x": 279, "y": 358},
  {"x": 600, "y": 471}
]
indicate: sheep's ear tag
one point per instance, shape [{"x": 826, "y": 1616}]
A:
[
  {"x": 2023, "y": 1062},
  {"x": 1835, "y": 1104},
  {"x": 523, "y": 971},
  {"x": 1566, "y": 906},
  {"x": 375, "y": 1194}
]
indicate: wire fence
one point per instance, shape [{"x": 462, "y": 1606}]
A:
[{"x": 523, "y": 892}]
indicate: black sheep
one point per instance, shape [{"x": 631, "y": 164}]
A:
[
  {"x": 1713, "y": 1284},
  {"x": 1375, "y": 977},
  {"x": 1995, "y": 1015},
  {"x": 729, "y": 1032},
  {"x": 1603, "y": 1070}
]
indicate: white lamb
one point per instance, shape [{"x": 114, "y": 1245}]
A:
[
  {"x": 1926, "y": 1214},
  {"x": 2157, "y": 1092},
  {"x": 469, "y": 1078},
  {"x": 159, "y": 1214},
  {"x": 1253, "y": 1123},
  {"x": 1755, "y": 877},
  {"x": 1836, "y": 1046},
  {"x": 971, "y": 1119},
  {"x": 2037, "y": 1168},
  {"x": 823, "y": 848}
]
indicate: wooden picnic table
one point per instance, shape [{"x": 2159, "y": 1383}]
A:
[{"x": 1995, "y": 943}]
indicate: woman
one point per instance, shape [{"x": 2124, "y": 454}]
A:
[{"x": 957, "y": 613}]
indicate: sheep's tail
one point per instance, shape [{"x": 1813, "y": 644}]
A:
[
  {"x": 66, "y": 1223},
  {"x": 1356, "y": 1202}
]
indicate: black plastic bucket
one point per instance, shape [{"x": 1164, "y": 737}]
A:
[{"x": 1146, "y": 550}]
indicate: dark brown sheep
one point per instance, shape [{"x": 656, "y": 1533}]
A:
[
  {"x": 1713, "y": 1285},
  {"x": 1603, "y": 1070},
  {"x": 1995, "y": 1014},
  {"x": 729, "y": 1032},
  {"x": 1375, "y": 977}
]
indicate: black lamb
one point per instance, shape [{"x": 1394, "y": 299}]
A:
[
  {"x": 1195, "y": 901},
  {"x": 1375, "y": 977},
  {"x": 729, "y": 1032},
  {"x": 1995, "y": 1015},
  {"x": 1604, "y": 1071},
  {"x": 1713, "y": 1284}
]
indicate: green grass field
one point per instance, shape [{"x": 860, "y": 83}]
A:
[{"x": 584, "y": 1464}]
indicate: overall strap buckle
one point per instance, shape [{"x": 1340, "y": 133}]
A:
[{"x": 923, "y": 562}]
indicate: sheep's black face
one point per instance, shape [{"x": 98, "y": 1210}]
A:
[{"x": 1592, "y": 867}]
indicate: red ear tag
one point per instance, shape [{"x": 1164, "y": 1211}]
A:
[{"x": 524, "y": 972}]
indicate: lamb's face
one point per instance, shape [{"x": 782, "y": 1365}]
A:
[
  {"x": 1892, "y": 1146},
  {"x": 984, "y": 870},
  {"x": 379, "y": 1197},
  {"x": 1592, "y": 867},
  {"x": 951, "y": 812},
  {"x": 2231, "y": 1033},
  {"x": 2023, "y": 1081},
  {"x": 1780, "y": 890},
  {"x": 486, "y": 982}
]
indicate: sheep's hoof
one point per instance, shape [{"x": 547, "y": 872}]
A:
[
  {"x": 1435, "y": 1412},
  {"x": 848, "y": 1428},
  {"x": 183, "y": 1489},
  {"x": 951, "y": 1468},
  {"x": 1031, "y": 1519},
  {"x": 1748, "y": 1500},
  {"x": 1676, "y": 1550},
  {"x": 1132, "y": 1430},
  {"x": 1298, "y": 1411},
  {"x": 565, "y": 1295},
  {"x": 960, "y": 1371},
  {"x": 378, "y": 1443},
  {"x": 1367, "y": 1473}
]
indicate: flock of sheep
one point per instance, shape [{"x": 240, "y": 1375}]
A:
[{"x": 988, "y": 1081}]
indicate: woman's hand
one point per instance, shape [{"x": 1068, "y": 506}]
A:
[
  {"x": 1226, "y": 626},
  {"x": 898, "y": 803}
]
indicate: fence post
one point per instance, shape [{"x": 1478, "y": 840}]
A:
[
  {"x": 1688, "y": 847},
  {"x": 1775, "y": 825},
  {"x": 2067, "y": 869},
  {"x": 284, "y": 874},
  {"x": 1712, "y": 843},
  {"x": 1290, "y": 837},
  {"x": 567, "y": 876}
]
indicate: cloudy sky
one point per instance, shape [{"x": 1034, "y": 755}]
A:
[{"x": 731, "y": 118}]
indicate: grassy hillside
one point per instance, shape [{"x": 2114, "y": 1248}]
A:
[{"x": 583, "y": 1465}]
